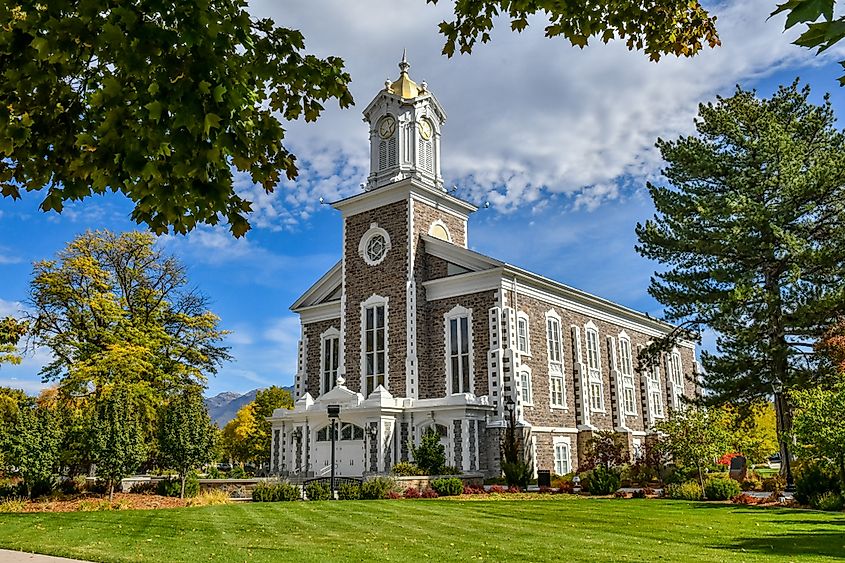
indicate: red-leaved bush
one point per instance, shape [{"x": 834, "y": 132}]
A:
[
  {"x": 726, "y": 459},
  {"x": 429, "y": 493},
  {"x": 412, "y": 492},
  {"x": 394, "y": 495},
  {"x": 513, "y": 489},
  {"x": 473, "y": 490},
  {"x": 497, "y": 489}
]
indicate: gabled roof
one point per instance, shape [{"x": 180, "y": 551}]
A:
[
  {"x": 324, "y": 291},
  {"x": 510, "y": 274},
  {"x": 469, "y": 259}
]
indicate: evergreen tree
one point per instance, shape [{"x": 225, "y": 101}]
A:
[
  {"x": 116, "y": 441},
  {"x": 750, "y": 232},
  {"x": 186, "y": 434},
  {"x": 30, "y": 438}
]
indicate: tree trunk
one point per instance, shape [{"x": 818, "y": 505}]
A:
[
  {"x": 182, "y": 493},
  {"x": 701, "y": 481},
  {"x": 111, "y": 490},
  {"x": 842, "y": 473}
]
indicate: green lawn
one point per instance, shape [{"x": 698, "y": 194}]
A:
[{"x": 563, "y": 529}]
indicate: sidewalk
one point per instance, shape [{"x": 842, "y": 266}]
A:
[{"x": 21, "y": 557}]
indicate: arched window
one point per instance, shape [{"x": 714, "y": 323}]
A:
[
  {"x": 626, "y": 367},
  {"x": 563, "y": 464},
  {"x": 596, "y": 389},
  {"x": 459, "y": 361}
]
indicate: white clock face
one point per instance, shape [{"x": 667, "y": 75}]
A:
[
  {"x": 387, "y": 126},
  {"x": 425, "y": 128}
]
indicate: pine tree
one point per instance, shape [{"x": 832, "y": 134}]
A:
[
  {"x": 186, "y": 434},
  {"x": 750, "y": 233}
]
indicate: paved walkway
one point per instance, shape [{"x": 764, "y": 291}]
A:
[{"x": 21, "y": 557}]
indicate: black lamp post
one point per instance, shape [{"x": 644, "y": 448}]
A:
[
  {"x": 334, "y": 414},
  {"x": 509, "y": 406}
]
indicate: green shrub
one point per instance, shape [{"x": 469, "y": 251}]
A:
[
  {"x": 814, "y": 479},
  {"x": 237, "y": 472},
  {"x": 604, "y": 481},
  {"x": 690, "y": 490},
  {"x": 774, "y": 484},
  {"x": 406, "y": 469},
  {"x": 11, "y": 490},
  {"x": 276, "y": 491},
  {"x": 377, "y": 488},
  {"x": 448, "y": 487},
  {"x": 679, "y": 475},
  {"x": 315, "y": 490},
  {"x": 721, "y": 489},
  {"x": 147, "y": 488},
  {"x": 830, "y": 501},
  {"x": 349, "y": 491},
  {"x": 517, "y": 474},
  {"x": 172, "y": 486},
  {"x": 430, "y": 455}
]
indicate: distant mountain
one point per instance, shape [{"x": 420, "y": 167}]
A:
[{"x": 224, "y": 406}]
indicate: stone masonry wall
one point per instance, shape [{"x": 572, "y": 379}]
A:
[
  {"x": 432, "y": 342},
  {"x": 386, "y": 279},
  {"x": 312, "y": 332}
]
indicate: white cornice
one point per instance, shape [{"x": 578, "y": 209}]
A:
[
  {"x": 463, "y": 284},
  {"x": 400, "y": 191},
  {"x": 319, "y": 312}
]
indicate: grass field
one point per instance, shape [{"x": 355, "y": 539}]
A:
[{"x": 562, "y": 529}]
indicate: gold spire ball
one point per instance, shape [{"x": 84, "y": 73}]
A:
[{"x": 404, "y": 86}]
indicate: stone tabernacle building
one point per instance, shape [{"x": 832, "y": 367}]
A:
[{"x": 411, "y": 330}]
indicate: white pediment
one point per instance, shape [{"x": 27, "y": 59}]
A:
[{"x": 340, "y": 395}]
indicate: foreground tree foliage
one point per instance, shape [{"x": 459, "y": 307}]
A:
[
  {"x": 163, "y": 101},
  {"x": 823, "y": 29},
  {"x": 695, "y": 438},
  {"x": 749, "y": 230},
  {"x": 186, "y": 434},
  {"x": 657, "y": 27},
  {"x": 751, "y": 430}
]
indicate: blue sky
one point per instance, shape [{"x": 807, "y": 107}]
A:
[{"x": 559, "y": 141}]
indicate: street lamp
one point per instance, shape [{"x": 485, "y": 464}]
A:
[{"x": 334, "y": 414}]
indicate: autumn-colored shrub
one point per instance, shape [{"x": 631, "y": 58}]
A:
[
  {"x": 429, "y": 493},
  {"x": 412, "y": 492}
]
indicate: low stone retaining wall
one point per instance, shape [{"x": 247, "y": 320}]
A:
[
  {"x": 236, "y": 488},
  {"x": 424, "y": 481}
]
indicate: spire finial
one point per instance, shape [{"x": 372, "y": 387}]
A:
[{"x": 404, "y": 66}]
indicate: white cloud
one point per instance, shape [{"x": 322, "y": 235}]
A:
[
  {"x": 10, "y": 308},
  {"x": 529, "y": 116}
]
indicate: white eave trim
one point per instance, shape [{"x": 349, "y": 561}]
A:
[
  {"x": 463, "y": 284},
  {"x": 400, "y": 191},
  {"x": 321, "y": 289},
  {"x": 320, "y": 312}
]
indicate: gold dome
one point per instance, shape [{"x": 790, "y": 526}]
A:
[{"x": 404, "y": 86}]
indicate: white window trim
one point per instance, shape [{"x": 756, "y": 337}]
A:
[
  {"x": 677, "y": 389},
  {"x": 552, "y": 314},
  {"x": 521, "y": 316},
  {"x": 564, "y": 440},
  {"x": 623, "y": 337},
  {"x": 331, "y": 332},
  {"x": 365, "y": 239},
  {"x": 440, "y": 223},
  {"x": 374, "y": 300},
  {"x": 519, "y": 372},
  {"x": 594, "y": 375},
  {"x": 654, "y": 386},
  {"x": 457, "y": 312}
]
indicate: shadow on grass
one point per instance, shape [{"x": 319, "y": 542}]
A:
[{"x": 818, "y": 544}]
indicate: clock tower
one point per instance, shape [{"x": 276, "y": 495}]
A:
[{"x": 405, "y": 121}]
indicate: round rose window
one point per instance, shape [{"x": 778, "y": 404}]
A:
[{"x": 376, "y": 248}]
